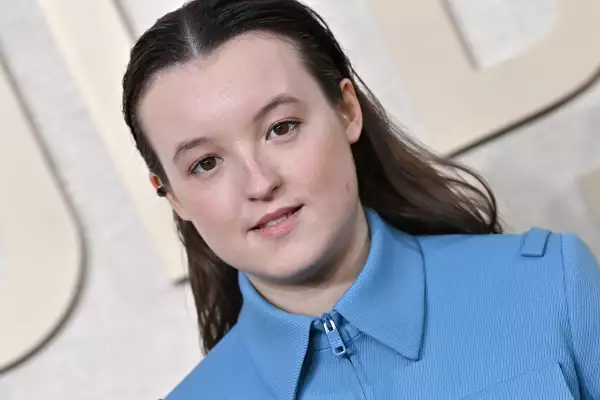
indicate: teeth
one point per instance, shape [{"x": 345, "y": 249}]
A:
[{"x": 276, "y": 221}]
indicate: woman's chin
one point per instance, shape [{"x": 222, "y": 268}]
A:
[{"x": 291, "y": 274}]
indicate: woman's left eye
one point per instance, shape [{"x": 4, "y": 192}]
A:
[{"x": 282, "y": 129}]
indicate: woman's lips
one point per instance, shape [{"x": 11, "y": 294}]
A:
[{"x": 278, "y": 224}]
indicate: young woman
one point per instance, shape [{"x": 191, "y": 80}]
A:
[{"x": 330, "y": 256}]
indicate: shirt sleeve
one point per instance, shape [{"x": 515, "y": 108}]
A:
[{"x": 582, "y": 285}]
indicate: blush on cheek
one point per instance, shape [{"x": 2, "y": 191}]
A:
[
  {"x": 324, "y": 168},
  {"x": 334, "y": 172}
]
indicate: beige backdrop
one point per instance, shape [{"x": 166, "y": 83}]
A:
[{"x": 132, "y": 334}]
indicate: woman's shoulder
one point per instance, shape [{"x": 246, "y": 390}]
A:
[
  {"x": 225, "y": 372},
  {"x": 562, "y": 260},
  {"x": 541, "y": 278},
  {"x": 557, "y": 265},
  {"x": 536, "y": 287},
  {"x": 536, "y": 243}
]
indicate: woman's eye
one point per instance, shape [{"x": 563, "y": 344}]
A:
[
  {"x": 205, "y": 165},
  {"x": 282, "y": 128}
]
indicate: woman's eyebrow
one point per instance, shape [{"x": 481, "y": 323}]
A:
[
  {"x": 188, "y": 145},
  {"x": 274, "y": 103},
  {"x": 277, "y": 101}
]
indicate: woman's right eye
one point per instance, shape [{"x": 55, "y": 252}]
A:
[{"x": 205, "y": 164}]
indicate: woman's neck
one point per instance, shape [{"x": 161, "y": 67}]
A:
[{"x": 318, "y": 296}]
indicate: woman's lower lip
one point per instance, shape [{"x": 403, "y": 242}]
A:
[{"x": 280, "y": 229}]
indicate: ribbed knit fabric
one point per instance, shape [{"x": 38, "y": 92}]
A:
[{"x": 437, "y": 317}]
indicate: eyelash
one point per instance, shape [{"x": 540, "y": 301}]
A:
[
  {"x": 295, "y": 123},
  {"x": 193, "y": 169}
]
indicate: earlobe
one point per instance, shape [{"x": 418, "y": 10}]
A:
[
  {"x": 161, "y": 191},
  {"x": 157, "y": 185},
  {"x": 351, "y": 111}
]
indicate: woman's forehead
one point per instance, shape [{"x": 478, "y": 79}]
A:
[
  {"x": 249, "y": 66},
  {"x": 233, "y": 81}
]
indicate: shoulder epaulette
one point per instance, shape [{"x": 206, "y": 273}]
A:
[{"x": 534, "y": 242}]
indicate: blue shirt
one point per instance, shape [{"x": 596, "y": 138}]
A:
[{"x": 432, "y": 317}]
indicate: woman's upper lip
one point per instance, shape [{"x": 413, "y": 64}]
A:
[{"x": 275, "y": 214}]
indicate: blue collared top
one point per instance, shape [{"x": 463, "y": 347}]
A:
[{"x": 429, "y": 317}]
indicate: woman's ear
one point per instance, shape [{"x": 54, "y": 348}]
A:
[
  {"x": 162, "y": 191},
  {"x": 351, "y": 111}
]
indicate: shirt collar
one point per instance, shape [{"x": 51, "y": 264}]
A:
[
  {"x": 276, "y": 340},
  {"x": 386, "y": 302}
]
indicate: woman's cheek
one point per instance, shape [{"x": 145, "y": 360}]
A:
[
  {"x": 211, "y": 203},
  {"x": 329, "y": 163}
]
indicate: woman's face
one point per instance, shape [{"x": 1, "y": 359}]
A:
[{"x": 257, "y": 158}]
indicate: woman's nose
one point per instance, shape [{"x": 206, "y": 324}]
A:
[{"x": 261, "y": 180}]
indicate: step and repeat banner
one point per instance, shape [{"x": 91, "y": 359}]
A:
[{"x": 456, "y": 73}]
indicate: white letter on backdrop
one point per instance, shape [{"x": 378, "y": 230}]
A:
[
  {"x": 459, "y": 105},
  {"x": 95, "y": 46},
  {"x": 40, "y": 244}
]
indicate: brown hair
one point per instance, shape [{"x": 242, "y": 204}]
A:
[{"x": 409, "y": 186}]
